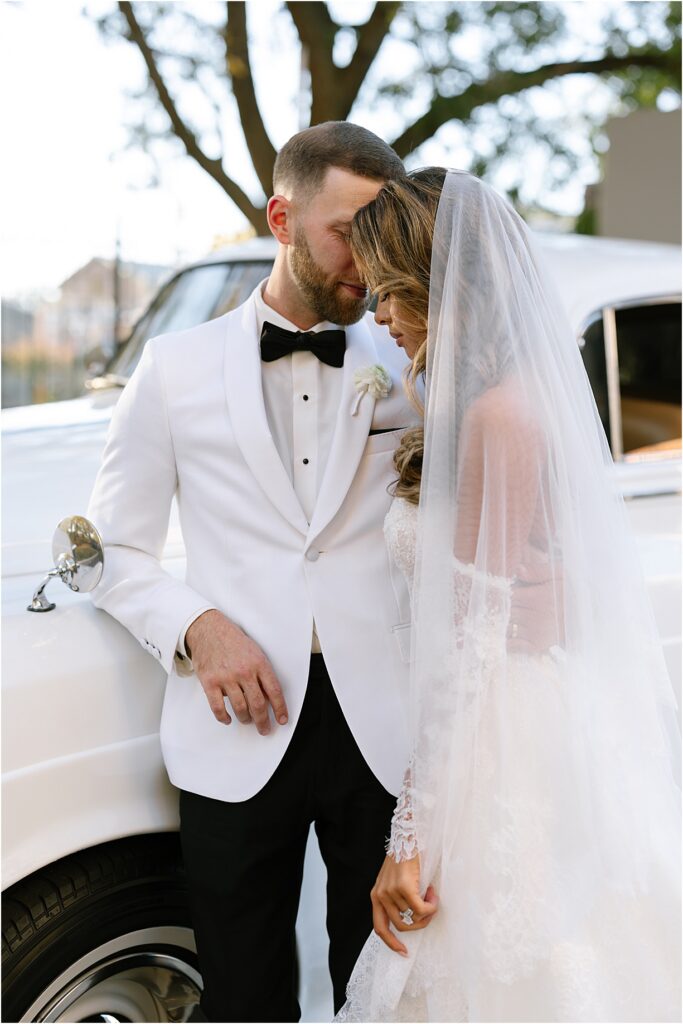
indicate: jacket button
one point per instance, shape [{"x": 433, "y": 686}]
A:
[{"x": 312, "y": 554}]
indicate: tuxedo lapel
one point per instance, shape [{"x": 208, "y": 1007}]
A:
[
  {"x": 244, "y": 390},
  {"x": 350, "y": 432}
]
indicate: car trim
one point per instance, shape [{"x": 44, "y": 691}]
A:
[
  {"x": 643, "y": 300},
  {"x": 609, "y": 321}
]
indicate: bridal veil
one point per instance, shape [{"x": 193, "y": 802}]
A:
[{"x": 542, "y": 787}]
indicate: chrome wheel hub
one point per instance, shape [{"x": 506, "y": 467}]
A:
[{"x": 145, "y": 975}]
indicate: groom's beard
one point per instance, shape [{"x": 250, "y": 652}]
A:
[{"x": 323, "y": 294}]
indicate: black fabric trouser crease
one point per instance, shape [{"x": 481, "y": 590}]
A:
[{"x": 245, "y": 862}]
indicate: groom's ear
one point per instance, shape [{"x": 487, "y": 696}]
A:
[{"x": 279, "y": 222}]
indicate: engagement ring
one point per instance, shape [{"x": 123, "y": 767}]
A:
[{"x": 406, "y": 916}]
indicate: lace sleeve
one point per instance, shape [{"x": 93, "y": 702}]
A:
[{"x": 402, "y": 843}]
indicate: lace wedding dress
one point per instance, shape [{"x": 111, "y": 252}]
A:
[{"x": 501, "y": 887}]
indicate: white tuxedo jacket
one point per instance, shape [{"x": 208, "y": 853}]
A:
[{"x": 192, "y": 424}]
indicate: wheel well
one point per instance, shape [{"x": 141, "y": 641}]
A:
[{"x": 30, "y": 903}]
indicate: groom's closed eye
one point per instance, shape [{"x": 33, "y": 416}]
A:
[{"x": 343, "y": 230}]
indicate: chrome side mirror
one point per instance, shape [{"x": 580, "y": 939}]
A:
[{"x": 78, "y": 554}]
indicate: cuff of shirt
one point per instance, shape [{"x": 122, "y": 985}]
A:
[{"x": 182, "y": 658}]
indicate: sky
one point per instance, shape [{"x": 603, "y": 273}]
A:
[
  {"x": 68, "y": 184},
  {"x": 67, "y": 187}
]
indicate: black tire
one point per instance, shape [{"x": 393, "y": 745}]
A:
[{"x": 108, "y": 925}]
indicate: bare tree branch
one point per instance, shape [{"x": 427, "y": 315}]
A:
[
  {"x": 316, "y": 31},
  {"x": 334, "y": 90},
  {"x": 184, "y": 132},
  {"x": 508, "y": 83},
  {"x": 370, "y": 37},
  {"x": 314, "y": 23},
  {"x": 238, "y": 65}
]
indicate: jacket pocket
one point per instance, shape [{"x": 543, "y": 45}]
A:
[{"x": 386, "y": 441}]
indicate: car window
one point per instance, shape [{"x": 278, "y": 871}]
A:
[
  {"x": 192, "y": 297},
  {"x": 240, "y": 284},
  {"x": 649, "y": 344},
  {"x": 649, "y": 354}
]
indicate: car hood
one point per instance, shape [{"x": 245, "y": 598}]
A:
[{"x": 50, "y": 457}]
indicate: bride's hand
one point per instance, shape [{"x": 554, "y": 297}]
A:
[{"x": 398, "y": 888}]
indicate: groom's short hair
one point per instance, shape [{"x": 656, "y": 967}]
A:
[{"x": 302, "y": 163}]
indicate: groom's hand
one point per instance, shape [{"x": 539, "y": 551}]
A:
[{"x": 229, "y": 664}]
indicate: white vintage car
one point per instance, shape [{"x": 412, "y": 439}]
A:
[{"x": 95, "y": 916}]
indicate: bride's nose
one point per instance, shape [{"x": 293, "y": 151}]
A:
[{"x": 382, "y": 315}]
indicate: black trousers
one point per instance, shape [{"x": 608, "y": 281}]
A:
[{"x": 245, "y": 863}]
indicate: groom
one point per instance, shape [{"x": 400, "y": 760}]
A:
[{"x": 287, "y": 644}]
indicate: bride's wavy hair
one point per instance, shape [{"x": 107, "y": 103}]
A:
[{"x": 391, "y": 242}]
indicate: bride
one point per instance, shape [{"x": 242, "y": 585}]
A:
[{"x": 533, "y": 865}]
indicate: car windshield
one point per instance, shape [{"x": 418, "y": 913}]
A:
[{"x": 190, "y": 298}]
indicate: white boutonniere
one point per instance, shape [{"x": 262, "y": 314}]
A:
[{"x": 373, "y": 380}]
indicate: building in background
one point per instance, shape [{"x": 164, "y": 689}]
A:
[
  {"x": 640, "y": 192},
  {"x": 46, "y": 350},
  {"x": 98, "y": 304},
  {"x": 16, "y": 324}
]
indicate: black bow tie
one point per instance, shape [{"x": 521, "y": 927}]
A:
[{"x": 328, "y": 346}]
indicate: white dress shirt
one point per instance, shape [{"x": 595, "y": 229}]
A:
[{"x": 301, "y": 397}]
